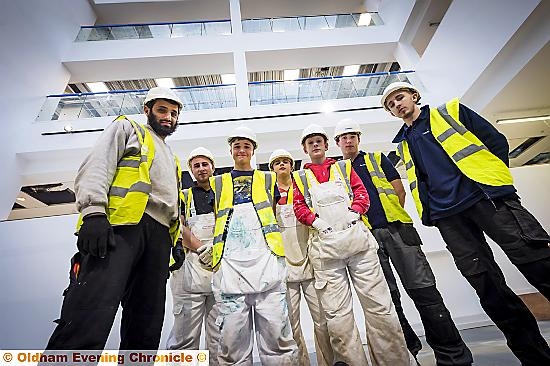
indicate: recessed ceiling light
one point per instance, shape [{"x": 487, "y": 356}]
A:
[
  {"x": 98, "y": 87},
  {"x": 351, "y": 70},
  {"x": 364, "y": 19},
  {"x": 229, "y": 79},
  {"x": 291, "y": 74},
  {"x": 21, "y": 199},
  {"x": 165, "y": 82},
  {"x": 523, "y": 119}
]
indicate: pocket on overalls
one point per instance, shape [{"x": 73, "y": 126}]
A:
[
  {"x": 409, "y": 235},
  {"x": 344, "y": 243},
  {"x": 531, "y": 230}
]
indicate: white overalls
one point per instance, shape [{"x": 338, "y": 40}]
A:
[
  {"x": 351, "y": 248},
  {"x": 300, "y": 276},
  {"x": 192, "y": 295},
  {"x": 250, "y": 290}
]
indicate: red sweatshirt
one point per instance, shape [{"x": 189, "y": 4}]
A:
[{"x": 360, "y": 203}]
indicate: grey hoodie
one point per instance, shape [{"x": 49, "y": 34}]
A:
[{"x": 96, "y": 173}]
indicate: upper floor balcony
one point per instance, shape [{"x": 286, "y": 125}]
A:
[
  {"x": 203, "y": 28},
  {"x": 153, "y": 30},
  {"x": 210, "y": 97}
]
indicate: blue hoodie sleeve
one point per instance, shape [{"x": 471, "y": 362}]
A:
[{"x": 486, "y": 132}]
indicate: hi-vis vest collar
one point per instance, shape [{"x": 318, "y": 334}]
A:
[
  {"x": 466, "y": 151},
  {"x": 263, "y": 189},
  {"x": 131, "y": 186},
  {"x": 386, "y": 192}
]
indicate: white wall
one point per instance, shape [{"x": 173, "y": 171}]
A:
[
  {"x": 34, "y": 35},
  {"x": 34, "y": 264}
]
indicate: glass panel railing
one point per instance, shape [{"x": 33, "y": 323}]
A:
[
  {"x": 153, "y": 30},
  {"x": 317, "y": 22},
  {"x": 335, "y": 87},
  {"x": 90, "y": 105}
]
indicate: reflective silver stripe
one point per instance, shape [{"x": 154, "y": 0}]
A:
[
  {"x": 218, "y": 183},
  {"x": 218, "y": 239},
  {"x": 303, "y": 178},
  {"x": 223, "y": 212},
  {"x": 136, "y": 187},
  {"x": 386, "y": 191},
  {"x": 132, "y": 163},
  {"x": 445, "y": 135},
  {"x": 342, "y": 165},
  {"x": 261, "y": 205},
  {"x": 139, "y": 129},
  {"x": 467, "y": 151},
  {"x": 442, "y": 109},
  {"x": 400, "y": 150},
  {"x": 273, "y": 228},
  {"x": 409, "y": 164},
  {"x": 268, "y": 181},
  {"x": 129, "y": 163},
  {"x": 372, "y": 159},
  {"x": 413, "y": 185}
]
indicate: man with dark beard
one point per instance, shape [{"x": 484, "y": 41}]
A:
[{"x": 127, "y": 193}]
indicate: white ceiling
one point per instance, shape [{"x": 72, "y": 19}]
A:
[{"x": 526, "y": 94}]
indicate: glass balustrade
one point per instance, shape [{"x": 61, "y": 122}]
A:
[
  {"x": 337, "y": 87},
  {"x": 289, "y": 24},
  {"x": 90, "y": 105},
  {"x": 154, "y": 30}
]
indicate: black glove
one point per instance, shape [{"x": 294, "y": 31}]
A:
[
  {"x": 179, "y": 256},
  {"x": 95, "y": 236}
]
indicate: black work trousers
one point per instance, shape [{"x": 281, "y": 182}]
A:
[
  {"x": 525, "y": 243},
  {"x": 401, "y": 243},
  {"x": 133, "y": 274}
]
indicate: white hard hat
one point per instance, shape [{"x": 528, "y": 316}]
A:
[
  {"x": 346, "y": 125},
  {"x": 200, "y": 151},
  {"x": 160, "y": 92},
  {"x": 398, "y": 85},
  {"x": 280, "y": 153},
  {"x": 243, "y": 132},
  {"x": 313, "y": 129}
]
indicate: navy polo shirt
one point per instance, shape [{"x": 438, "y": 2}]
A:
[
  {"x": 375, "y": 214},
  {"x": 448, "y": 190},
  {"x": 204, "y": 200}
]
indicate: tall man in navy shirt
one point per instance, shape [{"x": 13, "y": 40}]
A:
[
  {"x": 398, "y": 240},
  {"x": 457, "y": 166}
]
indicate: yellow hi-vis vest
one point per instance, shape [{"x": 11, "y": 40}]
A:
[
  {"x": 386, "y": 192},
  {"x": 263, "y": 191},
  {"x": 468, "y": 153},
  {"x": 341, "y": 170},
  {"x": 131, "y": 186}
]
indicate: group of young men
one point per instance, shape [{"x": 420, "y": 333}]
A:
[{"x": 252, "y": 242}]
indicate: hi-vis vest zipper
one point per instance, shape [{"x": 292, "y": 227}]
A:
[
  {"x": 263, "y": 190},
  {"x": 340, "y": 170},
  {"x": 468, "y": 153},
  {"x": 131, "y": 184},
  {"x": 386, "y": 192}
]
